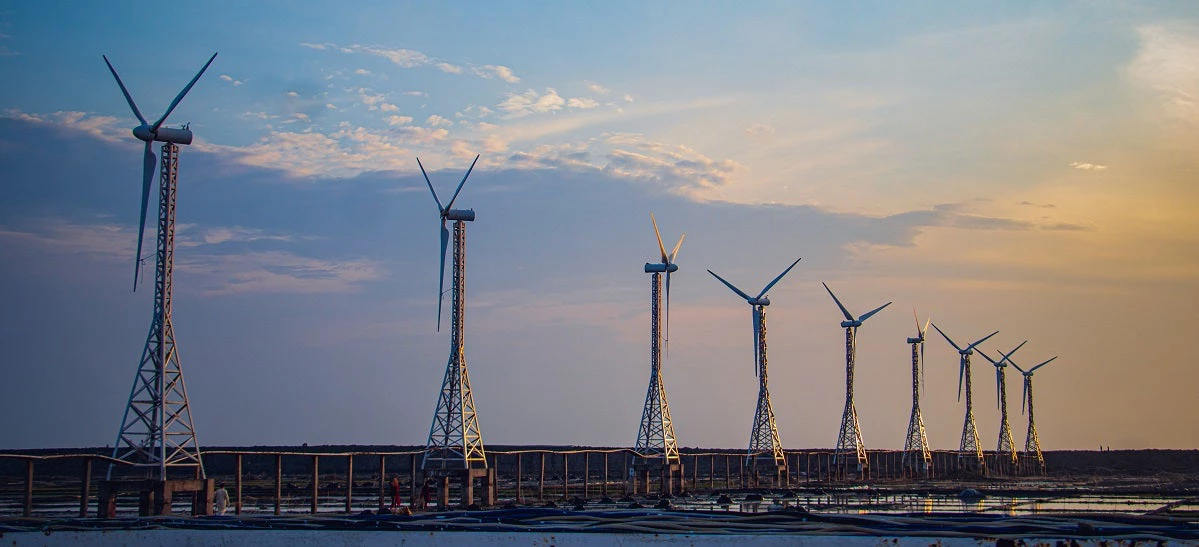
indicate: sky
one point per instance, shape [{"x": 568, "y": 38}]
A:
[{"x": 1026, "y": 167}]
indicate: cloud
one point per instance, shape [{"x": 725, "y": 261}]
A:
[
  {"x": 399, "y": 120},
  {"x": 435, "y": 120},
  {"x": 228, "y": 78},
  {"x": 1088, "y": 166},
  {"x": 292, "y": 94},
  {"x": 531, "y": 102},
  {"x": 1167, "y": 63},
  {"x": 362, "y": 72},
  {"x": 581, "y": 103},
  {"x": 496, "y": 71},
  {"x": 106, "y": 128},
  {"x": 596, "y": 88},
  {"x": 759, "y": 131},
  {"x": 448, "y": 68}
]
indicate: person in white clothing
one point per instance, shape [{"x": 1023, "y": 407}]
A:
[{"x": 220, "y": 499}]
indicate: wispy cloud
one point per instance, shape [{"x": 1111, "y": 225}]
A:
[
  {"x": 410, "y": 58},
  {"x": 1088, "y": 166},
  {"x": 497, "y": 71},
  {"x": 231, "y": 80},
  {"x": 1168, "y": 64},
  {"x": 106, "y": 128}
]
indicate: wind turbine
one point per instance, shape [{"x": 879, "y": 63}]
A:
[
  {"x": 1032, "y": 445},
  {"x": 850, "y": 436},
  {"x": 655, "y": 435},
  {"x": 157, "y": 431},
  {"x": 970, "y": 443},
  {"x": 764, "y": 437},
  {"x": 1006, "y": 446},
  {"x": 455, "y": 441},
  {"x": 916, "y": 445}
]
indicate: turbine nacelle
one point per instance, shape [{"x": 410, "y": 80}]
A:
[
  {"x": 466, "y": 215},
  {"x": 851, "y": 324},
  {"x": 762, "y": 301},
  {"x": 164, "y": 134},
  {"x": 658, "y": 267},
  {"x": 916, "y": 340}
]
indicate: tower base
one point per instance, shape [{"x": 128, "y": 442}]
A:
[
  {"x": 155, "y": 495},
  {"x": 466, "y": 479},
  {"x": 766, "y": 473},
  {"x": 666, "y": 472}
]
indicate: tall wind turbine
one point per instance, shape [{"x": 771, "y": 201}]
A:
[
  {"x": 764, "y": 437},
  {"x": 455, "y": 440},
  {"x": 970, "y": 443},
  {"x": 655, "y": 436},
  {"x": 1006, "y": 446},
  {"x": 916, "y": 445},
  {"x": 850, "y": 436},
  {"x": 157, "y": 431},
  {"x": 1032, "y": 445}
]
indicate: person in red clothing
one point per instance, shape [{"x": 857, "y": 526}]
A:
[{"x": 395, "y": 492}]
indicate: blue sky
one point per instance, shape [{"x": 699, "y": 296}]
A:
[{"x": 1026, "y": 167}]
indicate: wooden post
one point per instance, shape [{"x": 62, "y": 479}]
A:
[
  {"x": 412, "y": 486},
  {"x": 519, "y": 498},
  {"x": 586, "y": 475},
  {"x": 712, "y": 473},
  {"x": 565, "y": 475},
  {"x": 316, "y": 485},
  {"x": 382, "y": 481},
  {"x": 237, "y": 485},
  {"x": 85, "y": 489},
  {"x": 27, "y": 507},
  {"x": 278, "y": 482},
  {"x": 349, "y": 482},
  {"x": 728, "y": 473},
  {"x": 541, "y": 481},
  {"x": 694, "y": 473},
  {"x": 604, "y": 488}
]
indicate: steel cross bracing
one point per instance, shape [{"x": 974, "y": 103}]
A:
[
  {"x": 1007, "y": 446},
  {"x": 916, "y": 446},
  {"x": 1032, "y": 445},
  {"x": 764, "y": 439},
  {"x": 157, "y": 432},
  {"x": 849, "y": 439},
  {"x": 970, "y": 444},
  {"x": 655, "y": 437},
  {"x": 455, "y": 441}
]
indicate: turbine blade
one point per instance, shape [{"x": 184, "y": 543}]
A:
[
  {"x": 730, "y": 285},
  {"x": 844, "y": 311},
  {"x": 128, "y": 98},
  {"x": 917, "y": 318},
  {"x": 988, "y": 357},
  {"x": 998, "y": 380},
  {"x": 757, "y": 317},
  {"x": 179, "y": 97},
  {"x": 777, "y": 279},
  {"x": 450, "y": 205},
  {"x": 961, "y": 372},
  {"x": 1041, "y": 365},
  {"x": 1022, "y": 371},
  {"x": 922, "y": 368},
  {"x": 981, "y": 340},
  {"x": 867, "y": 315},
  {"x": 149, "y": 162},
  {"x": 1024, "y": 396},
  {"x": 661, "y": 247},
  {"x": 675, "y": 252},
  {"x": 1006, "y": 356},
  {"x": 668, "y": 314},
  {"x": 445, "y": 239},
  {"x": 925, "y": 329},
  {"x": 947, "y": 339},
  {"x": 440, "y": 209}
]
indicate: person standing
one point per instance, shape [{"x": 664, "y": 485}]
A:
[
  {"x": 220, "y": 499},
  {"x": 395, "y": 492}
]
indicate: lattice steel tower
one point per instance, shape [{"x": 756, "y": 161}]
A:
[
  {"x": 849, "y": 438},
  {"x": 1032, "y": 445},
  {"x": 157, "y": 432},
  {"x": 455, "y": 440},
  {"x": 970, "y": 446},
  {"x": 916, "y": 453},
  {"x": 1006, "y": 448},
  {"x": 655, "y": 435},
  {"x": 764, "y": 443}
]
